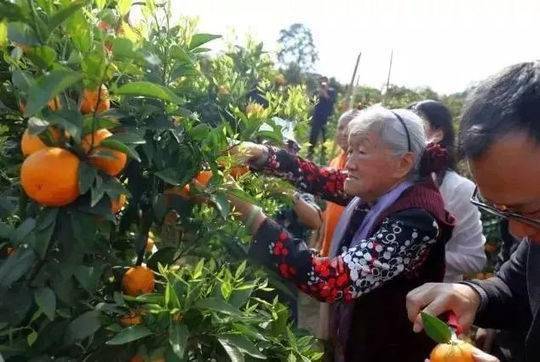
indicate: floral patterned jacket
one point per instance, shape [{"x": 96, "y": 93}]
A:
[{"x": 400, "y": 245}]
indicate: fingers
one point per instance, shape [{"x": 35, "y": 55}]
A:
[{"x": 417, "y": 299}]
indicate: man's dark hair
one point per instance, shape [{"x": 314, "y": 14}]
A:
[
  {"x": 508, "y": 102},
  {"x": 438, "y": 116}
]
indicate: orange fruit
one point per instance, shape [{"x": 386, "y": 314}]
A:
[
  {"x": 254, "y": 108},
  {"x": 138, "y": 280},
  {"x": 111, "y": 164},
  {"x": 51, "y": 176},
  {"x": 118, "y": 204},
  {"x": 238, "y": 171},
  {"x": 136, "y": 358},
  {"x": 454, "y": 351},
  {"x": 89, "y": 101},
  {"x": 131, "y": 319},
  {"x": 203, "y": 177},
  {"x": 32, "y": 143}
]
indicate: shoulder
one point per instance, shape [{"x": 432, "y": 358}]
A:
[
  {"x": 455, "y": 182},
  {"x": 415, "y": 218}
]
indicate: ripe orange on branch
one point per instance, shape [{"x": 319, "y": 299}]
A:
[
  {"x": 203, "y": 177},
  {"x": 92, "y": 101},
  {"x": 138, "y": 280},
  {"x": 118, "y": 204},
  {"x": 112, "y": 163},
  {"x": 32, "y": 143},
  {"x": 51, "y": 176}
]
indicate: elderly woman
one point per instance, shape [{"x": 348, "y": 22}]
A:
[{"x": 389, "y": 240}]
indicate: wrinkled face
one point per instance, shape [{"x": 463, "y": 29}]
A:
[
  {"x": 371, "y": 166},
  {"x": 508, "y": 177},
  {"x": 342, "y": 133}
]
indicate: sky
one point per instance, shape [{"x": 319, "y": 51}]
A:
[{"x": 446, "y": 45}]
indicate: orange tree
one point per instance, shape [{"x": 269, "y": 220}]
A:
[{"x": 104, "y": 252}]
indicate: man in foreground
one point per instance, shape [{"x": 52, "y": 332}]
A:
[{"x": 500, "y": 138}]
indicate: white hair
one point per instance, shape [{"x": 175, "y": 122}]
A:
[{"x": 387, "y": 126}]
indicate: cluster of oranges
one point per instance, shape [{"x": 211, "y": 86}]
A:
[{"x": 50, "y": 174}]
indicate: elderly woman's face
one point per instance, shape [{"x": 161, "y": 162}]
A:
[{"x": 371, "y": 167}]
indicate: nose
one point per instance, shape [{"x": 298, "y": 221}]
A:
[
  {"x": 521, "y": 230},
  {"x": 349, "y": 165}
]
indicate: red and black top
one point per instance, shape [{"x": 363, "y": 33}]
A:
[{"x": 404, "y": 250}]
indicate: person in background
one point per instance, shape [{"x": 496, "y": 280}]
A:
[
  {"x": 333, "y": 211},
  {"x": 465, "y": 250},
  {"x": 500, "y": 138},
  {"x": 321, "y": 112},
  {"x": 389, "y": 240}
]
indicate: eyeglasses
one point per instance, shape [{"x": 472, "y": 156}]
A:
[{"x": 478, "y": 201}]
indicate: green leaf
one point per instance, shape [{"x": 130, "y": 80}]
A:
[
  {"x": 233, "y": 352},
  {"x": 62, "y": 15},
  {"x": 87, "y": 175},
  {"x": 22, "y": 230},
  {"x": 200, "y": 39},
  {"x": 178, "y": 339},
  {"x": 128, "y": 138},
  {"x": 3, "y": 34},
  {"x": 243, "y": 344},
  {"x": 11, "y": 11},
  {"x": 48, "y": 87},
  {"x": 71, "y": 121},
  {"x": 171, "y": 175},
  {"x": 101, "y": 3},
  {"x": 22, "y": 34},
  {"x": 46, "y": 301},
  {"x": 217, "y": 305},
  {"x": 130, "y": 334},
  {"x": 124, "y": 6},
  {"x": 148, "y": 89},
  {"x": 88, "y": 124},
  {"x": 436, "y": 329},
  {"x": 79, "y": 29},
  {"x": 31, "y": 338},
  {"x": 83, "y": 326},
  {"x": 88, "y": 277},
  {"x": 222, "y": 204},
  {"x": 200, "y": 131},
  {"x": 114, "y": 144},
  {"x": 22, "y": 80},
  {"x": 42, "y": 56}
]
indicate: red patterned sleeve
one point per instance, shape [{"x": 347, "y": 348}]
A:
[
  {"x": 326, "y": 182},
  {"x": 400, "y": 245}
]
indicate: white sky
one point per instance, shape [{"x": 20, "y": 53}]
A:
[{"x": 446, "y": 45}]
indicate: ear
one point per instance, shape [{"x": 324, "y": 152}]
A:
[
  {"x": 436, "y": 136},
  {"x": 404, "y": 165}
]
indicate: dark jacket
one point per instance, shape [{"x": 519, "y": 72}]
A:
[{"x": 511, "y": 299}]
